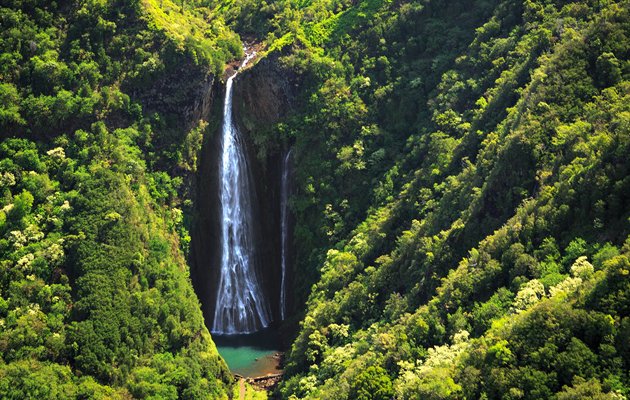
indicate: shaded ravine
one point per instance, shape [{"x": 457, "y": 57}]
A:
[
  {"x": 240, "y": 305},
  {"x": 246, "y": 106}
]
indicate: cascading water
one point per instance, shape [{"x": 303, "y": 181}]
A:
[
  {"x": 240, "y": 305},
  {"x": 284, "y": 225}
]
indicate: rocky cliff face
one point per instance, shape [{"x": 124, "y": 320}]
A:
[
  {"x": 205, "y": 256},
  {"x": 184, "y": 93},
  {"x": 263, "y": 94}
]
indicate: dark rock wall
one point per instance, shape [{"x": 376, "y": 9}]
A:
[
  {"x": 184, "y": 93},
  {"x": 263, "y": 94},
  {"x": 205, "y": 247}
]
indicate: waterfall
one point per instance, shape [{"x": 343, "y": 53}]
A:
[
  {"x": 240, "y": 304},
  {"x": 284, "y": 225}
]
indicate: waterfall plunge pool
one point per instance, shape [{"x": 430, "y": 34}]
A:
[
  {"x": 251, "y": 355},
  {"x": 240, "y": 304}
]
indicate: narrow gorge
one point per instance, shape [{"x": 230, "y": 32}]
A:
[{"x": 241, "y": 250}]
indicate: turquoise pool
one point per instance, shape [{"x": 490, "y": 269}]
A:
[{"x": 250, "y": 355}]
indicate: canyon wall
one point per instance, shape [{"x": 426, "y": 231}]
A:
[{"x": 263, "y": 94}]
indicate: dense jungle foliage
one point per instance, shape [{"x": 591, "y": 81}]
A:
[
  {"x": 462, "y": 196},
  {"x": 462, "y": 202},
  {"x": 95, "y": 297}
]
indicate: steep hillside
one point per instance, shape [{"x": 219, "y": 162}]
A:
[
  {"x": 462, "y": 201},
  {"x": 95, "y": 295},
  {"x": 461, "y": 194}
]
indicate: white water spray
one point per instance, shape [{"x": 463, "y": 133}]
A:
[{"x": 240, "y": 304}]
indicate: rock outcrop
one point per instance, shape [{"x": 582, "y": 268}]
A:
[
  {"x": 264, "y": 93},
  {"x": 184, "y": 93}
]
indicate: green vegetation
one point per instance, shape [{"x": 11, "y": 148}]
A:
[
  {"x": 462, "y": 196},
  {"x": 93, "y": 285},
  {"x": 211, "y": 44},
  {"x": 95, "y": 297},
  {"x": 248, "y": 392},
  {"x": 462, "y": 220}
]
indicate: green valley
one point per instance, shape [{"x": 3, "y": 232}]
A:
[{"x": 435, "y": 197}]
